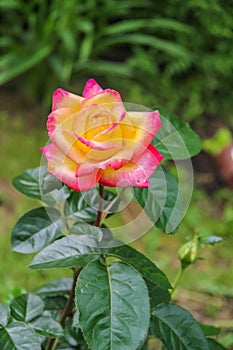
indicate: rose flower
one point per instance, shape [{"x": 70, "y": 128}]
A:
[{"x": 95, "y": 140}]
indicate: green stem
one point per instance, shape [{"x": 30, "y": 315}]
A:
[
  {"x": 100, "y": 206},
  {"x": 177, "y": 280}
]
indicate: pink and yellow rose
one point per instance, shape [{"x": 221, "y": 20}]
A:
[{"x": 95, "y": 140}]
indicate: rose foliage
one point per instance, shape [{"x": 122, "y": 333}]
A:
[{"x": 117, "y": 297}]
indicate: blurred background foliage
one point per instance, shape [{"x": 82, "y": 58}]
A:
[
  {"x": 179, "y": 52},
  {"x": 175, "y": 54}
]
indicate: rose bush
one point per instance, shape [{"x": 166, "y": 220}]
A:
[
  {"x": 117, "y": 298},
  {"x": 94, "y": 139}
]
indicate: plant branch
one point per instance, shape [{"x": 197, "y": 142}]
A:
[
  {"x": 100, "y": 206},
  {"x": 52, "y": 343}
]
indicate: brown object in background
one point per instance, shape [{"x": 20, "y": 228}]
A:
[{"x": 224, "y": 163}]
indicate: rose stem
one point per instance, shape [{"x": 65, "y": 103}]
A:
[
  {"x": 100, "y": 206},
  {"x": 52, "y": 343}
]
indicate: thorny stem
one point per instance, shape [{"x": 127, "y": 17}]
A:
[
  {"x": 100, "y": 206},
  {"x": 52, "y": 343}
]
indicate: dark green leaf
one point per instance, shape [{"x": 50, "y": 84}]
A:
[
  {"x": 36, "y": 229},
  {"x": 66, "y": 346},
  {"x": 158, "y": 295},
  {"x": 56, "y": 303},
  {"x": 50, "y": 183},
  {"x": 83, "y": 206},
  {"x": 113, "y": 303},
  {"x": 142, "y": 264},
  {"x": 175, "y": 139},
  {"x": 69, "y": 252},
  {"x": 107, "y": 236},
  {"x": 5, "y": 314},
  {"x": 58, "y": 287},
  {"x": 83, "y": 229},
  {"x": 176, "y": 327},
  {"x": 209, "y": 330},
  {"x": 47, "y": 326},
  {"x": 162, "y": 201},
  {"x": 38, "y": 183},
  {"x": 19, "y": 336},
  {"x": 214, "y": 345},
  {"x": 28, "y": 183},
  {"x": 73, "y": 334},
  {"x": 26, "y": 307},
  {"x": 77, "y": 208},
  {"x": 52, "y": 190}
]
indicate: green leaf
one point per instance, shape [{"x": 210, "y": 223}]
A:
[
  {"x": 83, "y": 206},
  {"x": 66, "y": 346},
  {"x": 54, "y": 192},
  {"x": 209, "y": 330},
  {"x": 114, "y": 308},
  {"x": 73, "y": 334},
  {"x": 19, "y": 336},
  {"x": 26, "y": 307},
  {"x": 132, "y": 25},
  {"x": 84, "y": 229},
  {"x": 57, "y": 287},
  {"x": 55, "y": 303},
  {"x": 50, "y": 183},
  {"x": 38, "y": 183},
  {"x": 176, "y": 327},
  {"x": 36, "y": 229},
  {"x": 5, "y": 314},
  {"x": 214, "y": 345},
  {"x": 69, "y": 252},
  {"x": 175, "y": 139},
  {"x": 48, "y": 327},
  {"x": 142, "y": 264},
  {"x": 166, "y": 46},
  {"x": 28, "y": 183},
  {"x": 162, "y": 201},
  {"x": 158, "y": 295},
  {"x": 24, "y": 60}
]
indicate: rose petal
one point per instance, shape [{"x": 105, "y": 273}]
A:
[
  {"x": 64, "y": 169},
  {"x": 91, "y": 88},
  {"x": 133, "y": 174},
  {"x": 110, "y": 99},
  {"x": 145, "y": 125},
  {"x": 99, "y": 146},
  {"x": 61, "y": 117},
  {"x": 59, "y": 128},
  {"x": 97, "y": 151},
  {"x": 116, "y": 162},
  {"x": 64, "y": 99},
  {"x": 91, "y": 121}
]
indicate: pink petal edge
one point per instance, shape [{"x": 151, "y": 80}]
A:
[
  {"x": 91, "y": 88},
  {"x": 133, "y": 174},
  {"x": 100, "y": 146},
  {"x": 64, "y": 169},
  {"x": 62, "y": 99}
]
